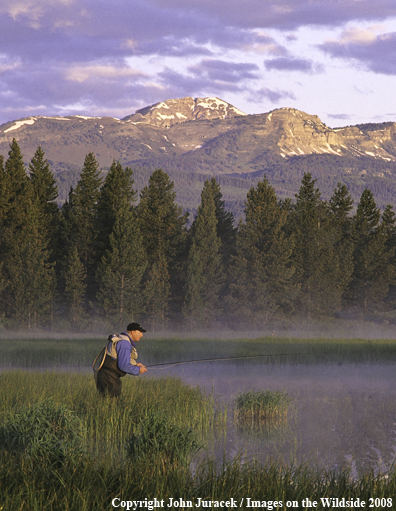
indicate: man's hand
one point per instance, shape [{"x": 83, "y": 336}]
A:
[{"x": 142, "y": 368}]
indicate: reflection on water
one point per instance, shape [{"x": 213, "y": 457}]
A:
[{"x": 341, "y": 415}]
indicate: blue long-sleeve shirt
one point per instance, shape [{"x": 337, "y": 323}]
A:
[{"x": 124, "y": 349}]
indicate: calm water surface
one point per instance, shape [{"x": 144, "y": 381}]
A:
[{"x": 341, "y": 415}]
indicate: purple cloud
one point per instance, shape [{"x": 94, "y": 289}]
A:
[
  {"x": 284, "y": 14},
  {"x": 222, "y": 71},
  {"x": 75, "y": 54},
  {"x": 290, "y": 64},
  {"x": 176, "y": 84},
  {"x": 273, "y": 95},
  {"x": 376, "y": 52},
  {"x": 341, "y": 117}
]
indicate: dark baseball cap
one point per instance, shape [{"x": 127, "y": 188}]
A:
[{"x": 135, "y": 326}]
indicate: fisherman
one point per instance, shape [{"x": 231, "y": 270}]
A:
[{"x": 120, "y": 359}]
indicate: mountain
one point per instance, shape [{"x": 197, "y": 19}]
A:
[
  {"x": 174, "y": 111},
  {"x": 194, "y": 138}
]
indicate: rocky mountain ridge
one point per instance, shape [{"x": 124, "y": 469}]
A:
[
  {"x": 286, "y": 131},
  {"x": 173, "y": 111},
  {"x": 191, "y": 138}
]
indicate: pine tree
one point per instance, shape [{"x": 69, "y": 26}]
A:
[
  {"x": 162, "y": 221},
  {"x": 318, "y": 269},
  {"x": 262, "y": 271},
  {"x": 117, "y": 188},
  {"x": 225, "y": 229},
  {"x": 340, "y": 205},
  {"x": 32, "y": 276},
  {"x": 75, "y": 286},
  {"x": 3, "y": 214},
  {"x": 204, "y": 269},
  {"x": 157, "y": 292},
  {"x": 16, "y": 191},
  {"x": 79, "y": 221},
  {"x": 16, "y": 201},
  {"x": 162, "y": 225},
  {"x": 121, "y": 270},
  {"x": 388, "y": 226},
  {"x": 225, "y": 223},
  {"x": 373, "y": 272},
  {"x": 388, "y": 231},
  {"x": 45, "y": 191},
  {"x": 3, "y": 192},
  {"x": 43, "y": 181}
]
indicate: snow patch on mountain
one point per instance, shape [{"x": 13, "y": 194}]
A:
[
  {"x": 18, "y": 124},
  {"x": 174, "y": 111}
]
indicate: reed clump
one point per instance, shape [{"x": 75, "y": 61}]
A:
[
  {"x": 46, "y": 433},
  {"x": 158, "y": 436},
  {"x": 262, "y": 405}
]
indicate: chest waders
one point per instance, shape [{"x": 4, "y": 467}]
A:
[{"x": 106, "y": 371}]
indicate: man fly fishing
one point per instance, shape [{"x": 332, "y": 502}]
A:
[{"x": 119, "y": 359}]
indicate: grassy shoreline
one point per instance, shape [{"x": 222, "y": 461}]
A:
[{"x": 77, "y": 352}]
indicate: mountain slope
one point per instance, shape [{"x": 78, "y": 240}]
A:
[
  {"x": 174, "y": 111},
  {"x": 195, "y": 138}
]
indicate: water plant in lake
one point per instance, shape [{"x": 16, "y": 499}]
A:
[{"x": 256, "y": 406}]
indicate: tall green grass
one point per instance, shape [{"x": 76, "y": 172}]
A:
[
  {"x": 108, "y": 469},
  {"x": 92, "y": 484},
  {"x": 158, "y": 437},
  {"x": 111, "y": 421},
  {"x": 46, "y": 433}
]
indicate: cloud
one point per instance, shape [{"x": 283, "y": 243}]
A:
[
  {"x": 82, "y": 73},
  {"x": 75, "y": 53},
  {"x": 8, "y": 65},
  {"x": 181, "y": 84},
  {"x": 283, "y": 14},
  {"x": 208, "y": 77},
  {"x": 222, "y": 71},
  {"x": 292, "y": 64},
  {"x": 358, "y": 35},
  {"x": 340, "y": 117},
  {"x": 168, "y": 46},
  {"x": 273, "y": 95},
  {"x": 264, "y": 44},
  {"x": 376, "y": 52}
]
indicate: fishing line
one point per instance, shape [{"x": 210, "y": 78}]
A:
[{"x": 171, "y": 364}]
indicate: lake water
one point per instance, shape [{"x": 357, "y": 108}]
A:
[{"x": 342, "y": 415}]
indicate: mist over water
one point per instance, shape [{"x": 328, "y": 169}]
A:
[
  {"x": 341, "y": 415},
  {"x": 330, "y": 329}
]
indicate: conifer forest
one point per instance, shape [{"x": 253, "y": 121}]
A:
[{"x": 108, "y": 256}]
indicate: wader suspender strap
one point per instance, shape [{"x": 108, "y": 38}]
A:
[{"x": 103, "y": 359}]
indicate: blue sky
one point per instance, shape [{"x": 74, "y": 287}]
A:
[{"x": 332, "y": 58}]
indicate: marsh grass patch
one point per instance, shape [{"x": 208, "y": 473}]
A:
[
  {"x": 258, "y": 406},
  {"x": 46, "y": 433},
  {"x": 157, "y": 436}
]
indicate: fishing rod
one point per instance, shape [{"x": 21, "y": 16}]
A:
[{"x": 171, "y": 364}]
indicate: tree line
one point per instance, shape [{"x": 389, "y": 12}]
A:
[{"x": 107, "y": 258}]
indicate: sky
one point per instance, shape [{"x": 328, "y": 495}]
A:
[{"x": 331, "y": 58}]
